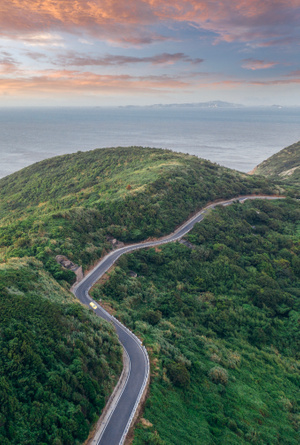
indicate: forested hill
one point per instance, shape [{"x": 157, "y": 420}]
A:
[
  {"x": 58, "y": 362},
  {"x": 284, "y": 165},
  {"x": 69, "y": 204}
]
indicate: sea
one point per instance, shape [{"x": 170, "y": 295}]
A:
[{"x": 239, "y": 138}]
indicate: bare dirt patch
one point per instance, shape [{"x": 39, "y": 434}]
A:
[{"x": 146, "y": 423}]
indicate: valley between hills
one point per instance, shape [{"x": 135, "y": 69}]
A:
[{"x": 219, "y": 315}]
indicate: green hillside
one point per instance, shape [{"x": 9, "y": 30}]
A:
[
  {"x": 58, "y": 362},
  {"x": 284, "y": 166},
  {"x": 221, "y": 323},
  {"x": 69, "y": 204}
]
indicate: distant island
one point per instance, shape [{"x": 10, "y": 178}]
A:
[{"x": 210, "y": 104}]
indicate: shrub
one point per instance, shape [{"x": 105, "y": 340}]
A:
[
  {"x": 218, "y": 375},
  {"x": 178, "y": 374},
  {"x": 153, "y": 317}
]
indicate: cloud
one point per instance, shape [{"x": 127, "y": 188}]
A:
[
  {"x": 85, "y": 42},
  {"x": 68, "y": 83},
  {"x": 263, "y": 83},
  {"x": 276, "y": 82},
  {"x": 75, "y": 83},
  {"x": 275, "y": 42},
  {"x": 110, "y": 20},
  {"x": 42, "y": 39},
  {"x": 295, "y": 73},
  {"x": 134, "y": 21},
  {"x": 254, "y": 64},
  {"x": 75, "y": 59},
  {"x": 35, "y": 55},
  {"x": 8, "y": 64}
]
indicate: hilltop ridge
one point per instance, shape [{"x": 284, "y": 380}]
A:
[
  {"x": 283, "y": 166},
  {"x": 70, "y": 204}
]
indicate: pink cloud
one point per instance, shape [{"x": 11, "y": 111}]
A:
[
  {"x": 132, "y": 21},
  {"x": 254, "y": 64}
]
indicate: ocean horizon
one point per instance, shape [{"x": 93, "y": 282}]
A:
[{"x": 239, "y": 138}]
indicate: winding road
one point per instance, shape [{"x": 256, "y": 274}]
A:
[{"x": 114, "y": 428}]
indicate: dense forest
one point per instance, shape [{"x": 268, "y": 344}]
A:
[
  {"x": 220, "y": 320},
  {"x": 58, "y": 361}
]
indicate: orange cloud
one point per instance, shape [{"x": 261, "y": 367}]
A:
[
  {"x": 104, "y": 19},
  {"x": 75, "y": 83},
  {"x": 133, "y": 21}
]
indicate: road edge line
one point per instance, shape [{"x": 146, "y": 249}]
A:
[{"x": 113, "y": 401}]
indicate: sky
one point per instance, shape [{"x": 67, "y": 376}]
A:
[{"x": 142, "y": 52}]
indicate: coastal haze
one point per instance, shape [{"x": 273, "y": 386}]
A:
[{"x": 238, "y": 138}]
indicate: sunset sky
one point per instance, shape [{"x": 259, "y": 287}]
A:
[{"x": 113, "y": 52}]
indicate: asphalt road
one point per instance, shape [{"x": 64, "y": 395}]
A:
[{"x": 119, "y": 422}]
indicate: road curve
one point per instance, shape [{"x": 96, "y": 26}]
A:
[{"x": 115, "y": 429}]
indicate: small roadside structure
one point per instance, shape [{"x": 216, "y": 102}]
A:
[
  {"x": 67, "y": 264},
  {"x": 132, "y": 274},
  {"x": 187, "y": 243},
  {"x": 116, "y": 244}
]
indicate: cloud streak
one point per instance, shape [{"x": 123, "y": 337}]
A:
[
  {"x": 75, "y": 82},
  {"x": 254, "y": 64},
  {"x": 75, "y": 59}
]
